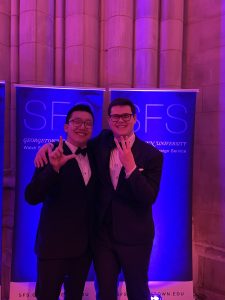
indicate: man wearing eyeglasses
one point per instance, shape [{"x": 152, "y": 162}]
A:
[
  {"x": 129, "y": 173},
  {"x": 66, "y": 187}
]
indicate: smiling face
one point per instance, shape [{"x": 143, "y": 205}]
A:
[
  {"x": 121, "y": 126},
  {"x": 79, "y": 128}
]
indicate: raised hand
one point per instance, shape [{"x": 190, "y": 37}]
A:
[
  {"x": 125, "y": 154},
  {"x": 56, "y": 157}
]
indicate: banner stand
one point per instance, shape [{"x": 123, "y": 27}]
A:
[
  {"x": 2, "y": 113},
  {"x": 165, "y": 119}
]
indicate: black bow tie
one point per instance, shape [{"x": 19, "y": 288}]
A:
[{"x": 81, "y": 151}]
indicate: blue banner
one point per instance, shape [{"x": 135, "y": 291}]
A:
[
  {"x": 2, "y": 112},
  {"x": 41, "y": 113},
  {"x": 166, "y": 120}
]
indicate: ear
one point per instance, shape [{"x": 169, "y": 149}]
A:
[
  {"x": 108, "y": 120},
  {"x": 66, "y": 127},
  {"x": 135, "y": 117}
]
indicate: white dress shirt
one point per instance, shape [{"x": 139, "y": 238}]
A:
[{"x": 82, "y": 161}]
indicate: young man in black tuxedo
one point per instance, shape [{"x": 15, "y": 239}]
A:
[
  {"x": 129, "y": 172},
  {"x": 66, "y": 188}
]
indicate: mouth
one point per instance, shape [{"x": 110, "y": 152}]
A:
[
  {"x": 80, "y": 133},
  {"x": 121, "y": 126}
]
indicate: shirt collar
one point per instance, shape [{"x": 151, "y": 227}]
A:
[
  {"x": 131, "y": 139},
  {"x": 72, "y": 147}
]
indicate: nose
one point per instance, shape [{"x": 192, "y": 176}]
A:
[{"x": 120, "y": 120}]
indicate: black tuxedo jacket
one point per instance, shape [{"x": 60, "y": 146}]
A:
[
  {"x": 130, "y": 205},
  {"x": 66, "y": 221}
]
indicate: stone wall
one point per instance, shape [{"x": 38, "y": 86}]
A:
[{"x": 204, "y": 68}]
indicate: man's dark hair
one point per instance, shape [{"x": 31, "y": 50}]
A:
[
  {"x": 122, "y": 102},
  {"x": 79, "y": 107}
]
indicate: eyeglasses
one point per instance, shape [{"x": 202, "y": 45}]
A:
[
  {"x": 125, "y": 117},
  {"x": 78, "y": 123}
]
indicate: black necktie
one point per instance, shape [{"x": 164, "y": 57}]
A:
[{"x": 81, "y": 151}]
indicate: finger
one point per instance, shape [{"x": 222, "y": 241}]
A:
[
  {"x": 128, "y": 144},
  {"x": 123, "y": 143},
  {"x": 60, "y": 142},
  {"x": 43, "y": 157},
  {"x": 118, "y": 145},
  {"x": 44, "y": 150},
  {"x": 58, "y": 151},
  {"x": 40, "y": 163},
  {"x": 50, "y": 153},
  {"x": 36, "y": 163},
  {"x": 70, "y": 156},
  {"x": 51, "y": 146}
]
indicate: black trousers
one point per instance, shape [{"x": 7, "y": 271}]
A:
[
  {"x": 110, "y": 258},
  {"x": 52, "y": 273}
]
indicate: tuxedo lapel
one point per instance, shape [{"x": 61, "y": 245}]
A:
[
  {"x": 90, "y": 158},
  {"x": 121, "y": 177},
  {"x": 66, "y": 149},
  {"x": 105, "y": 157},
  {"x": 137, "y": 150}
]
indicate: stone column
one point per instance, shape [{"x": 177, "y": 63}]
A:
[
  {"x": 14, "y": 68},
  {"x": 82, "y": 42},
  {"x": 146, "y": 43},
  {"x": 59, "y": 71},
  {"x": 117, "y": 48},
  {"x": 171, "y": 43},
  {"x": 5, "y": 69},
  {"x": 36, "y": 41}
]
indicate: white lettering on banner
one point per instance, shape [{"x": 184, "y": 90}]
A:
[
  {"x": 159, "y": 112},
  {"x": 34, "y": 144},
  {"x": 38, "y": 140},
  {"x": 172, "y": 147},
  {"x": 137, "y": 125},
  {"x": 37, "y": 114},
  {"x": 168, "y": 290},
  {"x": 170, "y": 115},
  {"x": 147, "y": 117},
  {"x": 54, "y": 115},
  {"x": 167, "y": 143},
  {"x": 28, "y": 110},
  {"x": 38, "y": 117},
  {"x": 37, "y": 109}
]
